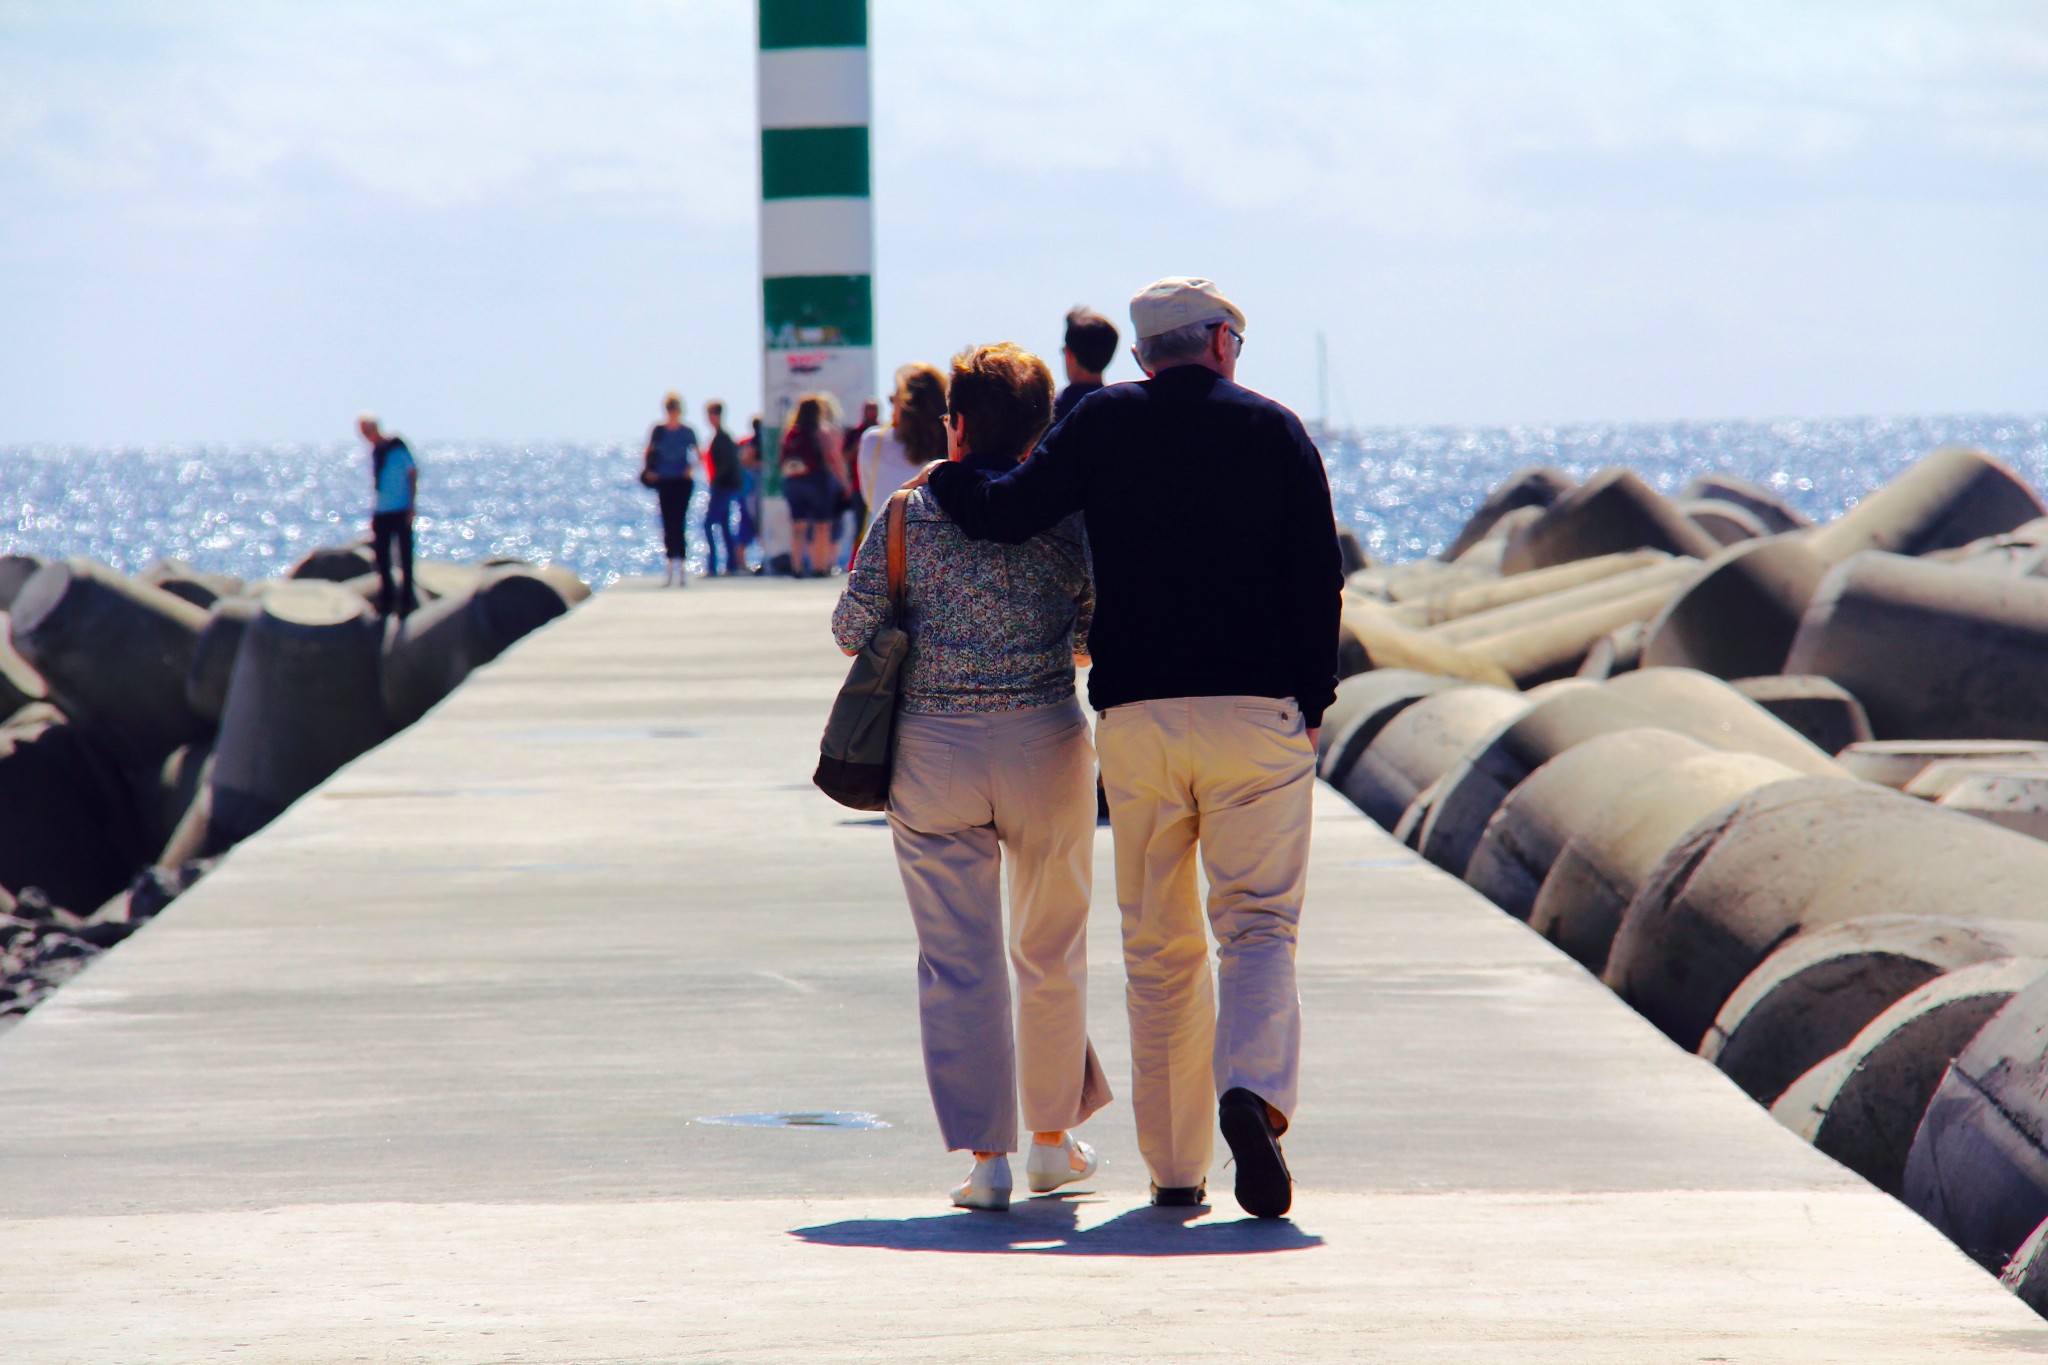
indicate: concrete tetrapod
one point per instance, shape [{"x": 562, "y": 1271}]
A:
[
  {"x": 1974, "y": 647},
  {"x": 1489, "y": 552},
  {"x": 2011, "y": 799},
  {"x": 1545, "y": 650},
  {"x": 15, "y": 572},
  {"x": 305, "y": 699},
  {"x": 1612, "y": 511},
  {"x": 1978, "y": 1169},
  {"x": 2019, "y": 553},
  {"x": 1369, "y": 638},
  {"x": 1670, "y": 698},
  {"x": 1662, "y": 571},
  {"x": 1617, "y": 849},
  {"x": 335, "y": 563},
  {"x": 1727, "y": 522},
  {"x": 68, "y": 822},
  {"x": 20, "y": 684},
  {"x": 1862, "y": 1105},
  {"x": 1738, "y": 620},
  {"x": 1455, "y": 603},
  {"x": 1767, "y": 507},
  {"x": 1539, "y": 817},
  {"x": 1810, "y": 997},
  {"x": 1820, "y": 709},
  {"x": 435, "y": 648},
  {"x": 213, "y": 657},
  {"x": 114, "y": 653},
  {"x": 1617, "y": 652},
  {"x": 1941, "y": 777},
  {"x": 1418, "y": 745},
  {"x": 196, "y": 586},
  {"x": 1535, "y": 488},
  {"x": 1413, "y": 578},
  {"x": 1795, "y": 857},
  {"x": 2026, "y": 1274},
  {"x": 1898, "y": 763},
  {"x": 1365, "y": 703}
]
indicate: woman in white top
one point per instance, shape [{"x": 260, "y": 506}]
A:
[{"x": 916, "y": 435}]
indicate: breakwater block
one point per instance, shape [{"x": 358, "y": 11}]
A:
[
  {"x": 1526, "y": 489},
  {"x": 68, "y": 822},
  {"x": 1739, "y": 619},
  {"x": 1539, "y": 817},
  {"x": 1617, "y": 848},
  {"x": 1364, "y": 705},
  {"x": 1978, "y": 1169},
  {"x": 304, "y": 699},
  {"x": 335, "y": 563},
  {"x": 213, "y": 657},
  {"x": 1796, "y": 857},
  {"x": 1863, "y": 1104},
  {"x": 1617, "y": 652},
  {"x": 1820, "y": 709},
  {"x": 1611, "y": 512},
  {"x": 15, "y": 572},
  {"x": 1369, "y": 638},
  {"x": 20, "y": 684},
  {"x": 1416, "y": 746},
  {"x": 1456, "y": 602},
  {"x": 1809, "y": 998},
  {"x": 114, "y": 652},
  {"x": 1898, "y": 763},
  {"x": 1774, "y": 512},
  {"x": 1931, "y": 650},
  {"x": 1728, "y": 523},
  {"x": 2013, "y": 799}
]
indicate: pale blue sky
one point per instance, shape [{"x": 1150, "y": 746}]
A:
[{"x": 498, "y": 219}]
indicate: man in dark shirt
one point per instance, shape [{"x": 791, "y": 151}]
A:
[
  {"x": 727, "y": 483},
  {"x": 1212, "y": 672},
  {"x": 1090, "y": 346}
]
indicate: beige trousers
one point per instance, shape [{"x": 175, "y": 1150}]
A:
[
  {"x": 1233, "y": 777},
  {"x": 964, "y": 791}
]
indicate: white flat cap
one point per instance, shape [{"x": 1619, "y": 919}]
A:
[{"x": 1179, "y": 301}]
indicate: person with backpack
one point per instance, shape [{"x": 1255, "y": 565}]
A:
[{"x": 727, "y": 482}]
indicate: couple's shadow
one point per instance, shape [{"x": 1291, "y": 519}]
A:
[{"x": 1051, "y": 1226}]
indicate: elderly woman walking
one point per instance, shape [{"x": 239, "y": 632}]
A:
[{"x": 993, "y": 758}]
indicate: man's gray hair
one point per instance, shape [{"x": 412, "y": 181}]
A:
[{"x": 1180, "y": 346}]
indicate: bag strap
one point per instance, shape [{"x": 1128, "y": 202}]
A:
[{"x": 897, "y": 537}]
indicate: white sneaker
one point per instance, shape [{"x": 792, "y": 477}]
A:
[
  {"x": 1048, "y": 1168},
  {"x": 988, "y": 1188}
]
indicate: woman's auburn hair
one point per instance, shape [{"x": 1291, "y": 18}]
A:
[
  {"x": 1004, "y": 395},
  {"x": 921, "y": 413}
]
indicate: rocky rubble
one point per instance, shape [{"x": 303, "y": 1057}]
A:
[
  {"x": 148, "y": 723},
  {"x": 1783, "y": 787}
]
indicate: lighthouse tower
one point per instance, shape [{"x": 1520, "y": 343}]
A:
[{"x": 817, "y": 221}]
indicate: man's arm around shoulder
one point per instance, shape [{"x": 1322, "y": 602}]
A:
[{"x": 1050, "y": 484}]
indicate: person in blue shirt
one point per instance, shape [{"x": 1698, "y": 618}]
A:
[
  {"x": 395, "y": 486},
  {"x": 669, "y": 469}
]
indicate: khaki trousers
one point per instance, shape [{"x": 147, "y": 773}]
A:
[
  {"x": 1233, "y": 777},
  {"x": 964, "y": 791}
]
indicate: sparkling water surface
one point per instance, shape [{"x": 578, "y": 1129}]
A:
[{"x": 252, "y": 510}]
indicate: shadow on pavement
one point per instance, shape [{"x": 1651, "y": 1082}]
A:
[{"x": 1050, "y": 1226}]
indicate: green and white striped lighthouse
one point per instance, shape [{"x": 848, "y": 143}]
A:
[{"x": 817, "y": 223}]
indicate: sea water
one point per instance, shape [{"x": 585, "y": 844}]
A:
[{"x": 251, "y": 510}]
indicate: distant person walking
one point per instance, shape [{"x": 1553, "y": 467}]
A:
[
  {"x": 728, "y": 484},
  {"x": 671, "y": 455},
  {"x": 993, "y": 763},
  {"x": 1211, "y": 674},
  {"x": 1090, "y": 347},
  {"x": 890, "y": 456},
  {"x": 813, "y": 477},
  {"x": 857, "y": 498},
  {"x": 394, "y": 487},
  {"x": 750, "y": 493}
]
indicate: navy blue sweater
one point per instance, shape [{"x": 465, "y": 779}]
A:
[{"x": 1208, "y": 512}]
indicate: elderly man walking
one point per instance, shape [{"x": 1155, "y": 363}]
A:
[{"x": 1218, "y": 585}]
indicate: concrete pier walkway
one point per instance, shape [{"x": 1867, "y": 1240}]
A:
[{"x": 420, "y": 1073}]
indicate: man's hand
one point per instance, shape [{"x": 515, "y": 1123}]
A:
[
  {"x": 1314, "y": 733},
  {"x": 924, "y": 476}
]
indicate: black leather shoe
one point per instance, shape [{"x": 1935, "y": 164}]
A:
[
  {"x": 1180, "y": 1196},
  {"x": 1264, "y": 1187}
]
